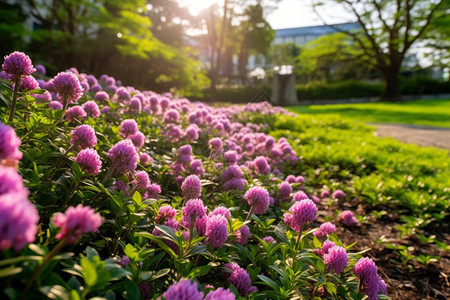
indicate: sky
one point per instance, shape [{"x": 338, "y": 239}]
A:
[
  {"x": 289, "y": 13},
  {"x": 299, "y": 13}
]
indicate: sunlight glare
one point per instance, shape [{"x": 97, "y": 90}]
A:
[{"x": 196, "y": 6}]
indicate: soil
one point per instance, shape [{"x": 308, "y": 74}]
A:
[
  {"x": 405, "y": 280},
  {"x": 410, "y": 280},
  {"x": 421, "y": 135}
]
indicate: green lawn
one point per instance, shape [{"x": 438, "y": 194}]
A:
[
  {"x": 339, "y": 153},
  {"x": 418, "y": 112}
]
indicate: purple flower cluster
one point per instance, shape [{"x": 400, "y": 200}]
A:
[
  {"x": 68, "y": 87},
  {"x": 75, "y": 222},
  {"x": 145, "y": 159},
  {"x": 325, "y": 194},
  {"x": 338, "y": 194},
  {"x": 191, "y": 187},
  {"x": 243, "y": 234},
  {"x": 89, "y": 161},
  {"x": 195, "y": 211},
  {"x": 348, "y": 218},
  {"x": 91, "y": 109},
  {"x": 258, "y": 197},
  {"x": 240, "y": 279},
  {"x": 28, "y": 83},
  {"x": 335, "y": 259},
  {"x": 165, "y": 213},
  {"x": 327, "y": 245},
  {"x": 18, "y": 216},
  {"x": 268, "y": 239},
  {"x": 326, "y": 228},
  {"x": 217, "y": 231},
  {"x": 73, "y": 113},
  {"x": 17, "y": 64},
  {"x": 153, "y": 191},
  {"x": 261, "y": 165},
  {"x": 371, "y": 283},
  {"x": 215, "y": 144},
  {"x": 220, "y": 210},
  {"x": 300, "y": 213},
  {"x": 83, "y": 136},
  {"x": 18, "y": 220},
  {"x": 124, "y": 156},
  {"x": 142, "y": 180},
  {"x": 128, "y": 127},
  {"x": 233, "y": 178},
  {"x": 220, "y": 294},
  {"x": 10, "y": 143},
  {"x": 284, "y": 191},
  {"x": 185, "y": 289},
  {"x": 299, "y": 196}
]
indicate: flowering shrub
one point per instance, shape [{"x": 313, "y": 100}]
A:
[{"x": 132, "y": 194}]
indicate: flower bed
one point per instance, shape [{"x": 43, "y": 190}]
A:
[{"x": 108, "y": 191}]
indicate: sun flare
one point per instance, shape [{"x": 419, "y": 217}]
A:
[{"x": 196, "y": 6}]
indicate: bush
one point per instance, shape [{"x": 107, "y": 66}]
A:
[
  {"x": 338, "y": 90},
  {"x": 423, "y": 85},
  {"x": 237, "y": 95}
]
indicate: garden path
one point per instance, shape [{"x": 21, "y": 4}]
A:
[{"x": 421, "y": 135}]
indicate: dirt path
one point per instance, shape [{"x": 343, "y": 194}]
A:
[{"x": 413, "y": 134}]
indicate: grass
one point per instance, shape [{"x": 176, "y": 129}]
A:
[
  {"x": 419, "y": 112},
  {"x": 337, "y": 153}
]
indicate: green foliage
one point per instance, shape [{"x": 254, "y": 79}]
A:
[
  {"x": 157, "y": 255},
  {"x": 381, "y": 170},
  {"x": 112, "y": 37},
  {"x": 423, "y": 85},
  {"x": 388, "y": 30},
  {"x": 419, "y": 112},
  {"x": 331, "y": 57},
  {"x": 238, "y": 95},
  {"x": 338, "y": 90},
  {"x": 283, "y": 54}
]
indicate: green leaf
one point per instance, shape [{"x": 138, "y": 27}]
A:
[
  {"x": 269, "y": 282},
  {"x": 131, "y": 252},
  {"x": 330, "y": 287},
  {"x": 199, "y": 271},
  {"x": 91, "y": 253},
  {"x": 157, "y": 240},
  {"x": 10, "y": 271},
  {"x": 11, "y": 261},
  {"x": 137, "y": 199},
  {"x": 133, "y": 292},
  {"x": 168, "y": 232},
  {"x": 56, "y": 292},
  {"x": 89, "y": 272}
]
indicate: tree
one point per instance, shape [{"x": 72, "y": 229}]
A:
[
  {"x": 256, "y": 34},
  {"x": 437, "y": 37},
  {"x": 283, "y": 54},
  {"x": 331, "y": 57},
  {"x": 117, "y": 37},
  {"x": 13, "y": 31},
  {"x": 234, "y": 27},
  {"x": 391, "y": 27}
]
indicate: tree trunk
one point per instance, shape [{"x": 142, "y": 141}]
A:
[{"x": 391, "y": 92}]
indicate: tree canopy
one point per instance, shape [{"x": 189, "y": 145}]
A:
[
  {"x": 391, "y": 27},
  {"x": 331, "y": 57},
  {"x": 129, "y": 39}
]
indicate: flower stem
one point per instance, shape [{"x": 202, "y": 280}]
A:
[
  {"x": 14, "y": 99},
  {"x": 39, "y": 269},
  {"x": 250, "y": 213},
  {"x": 299, "y": 237},
  {"x": 109, "y": 174}
]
